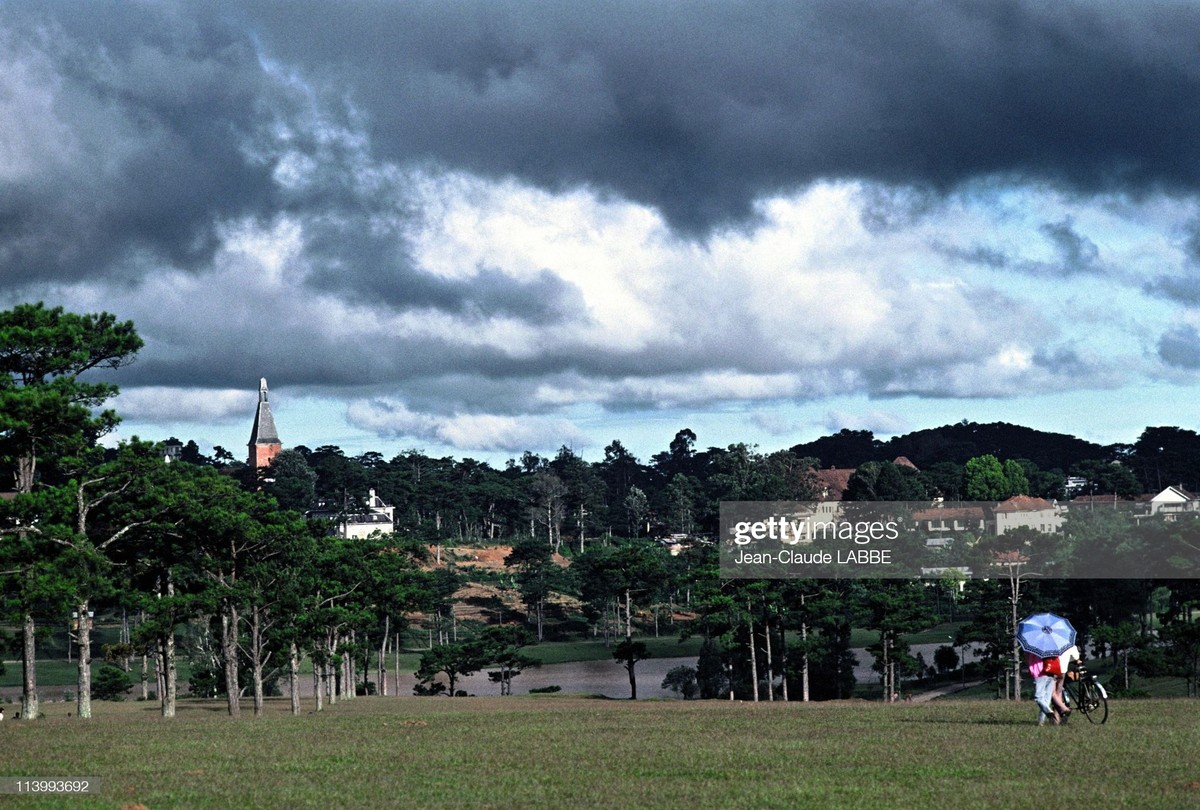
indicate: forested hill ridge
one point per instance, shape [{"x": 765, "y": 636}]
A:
[
  {"x": 679, "y": 489},
  {"x": 1161, "y": 456},
  {"x": 958, "y": 444}
]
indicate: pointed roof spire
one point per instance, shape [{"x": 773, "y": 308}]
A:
[{"x": 263, "y": 431}]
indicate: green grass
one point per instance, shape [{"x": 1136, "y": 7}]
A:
[
  {"x": 938, "y": 634},
  {"x": 569, "y": 752},
  {"x": 61, "y": 674}
]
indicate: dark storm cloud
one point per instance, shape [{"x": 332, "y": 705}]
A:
[
  {"x": 1182, "y": 288},
  {"x": 1191, "y": 243},
  {"x": 372, "y": 271},
  {"x": 1079, "y": 254},
  {"x": 135, "y": 138},
  {"x": 976, "y": 254},
  {"x": 1180, "y": 347},
  {"x": 698, "y": 108},
  {"x": 151, "y": 112},
  {"x": 1075, "y": 254},
  {"x": 695, "y": 108}
]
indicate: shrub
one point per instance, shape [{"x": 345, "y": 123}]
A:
[
  {"x": 111, "y": 683},
  {"x": 682, "y": 680}
]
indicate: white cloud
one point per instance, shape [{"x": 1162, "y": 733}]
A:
[
  {"x": 189, "y": 405},
  {"x": 806, "y": 304},
  {"x": 484, "y": 432}
]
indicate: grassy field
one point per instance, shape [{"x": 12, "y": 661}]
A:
[{"x": 567, "y": 752}]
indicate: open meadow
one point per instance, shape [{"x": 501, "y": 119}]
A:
[{"x": 559, "y": 751}]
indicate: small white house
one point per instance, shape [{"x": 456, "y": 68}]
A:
[
  {"x": 1173, "y": 501},
  {"x": 376, "y": 517},
  {"x": 1025, "y": 511}
]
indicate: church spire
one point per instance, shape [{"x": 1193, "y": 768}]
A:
[{"x": 264, "y": 439}]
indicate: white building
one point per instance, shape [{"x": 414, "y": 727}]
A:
[
  {"x": 1026, "y": 511},
  {"x": 377, "y": 516},
  {"x": 1173, "y": 501}
]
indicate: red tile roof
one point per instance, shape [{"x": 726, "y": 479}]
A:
[
  {"x": 950, "y": 513},
  {"x": 833, "y": 482},
  {"x": 1024, "y": 503}
]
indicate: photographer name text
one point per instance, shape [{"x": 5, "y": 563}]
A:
[{"x": 787, "y": 556}]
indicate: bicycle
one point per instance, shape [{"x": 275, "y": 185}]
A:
[{"x": 1085, "y": 691}]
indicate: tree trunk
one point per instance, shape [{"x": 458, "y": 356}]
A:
[
  {"x": 167, "y": 648},
  {"x": 1015, "y": 586},
  {"x": 804, "y": 693},
  {"x": 329, "y": 680},
  {"x": 318, "y": 685},
  {"x": 783, "y": 652},
  {"x": 294, "y": 677},
  {"x": 753, "y": 653},
  {"x": 1016, "y": 675},
  {"x": 628, "y": 615},
  {"x": 887, "y": 668},
  {"x": 26, "y": 470},
  {"x": 383, "y": 650},
  {"x": 256, "y": 658},
  {"x": 229, "y": 652},
  {"x": 770, "y": 671},
  {"x": 83, "y": 695},
  {"x": 29, "y": 695}
]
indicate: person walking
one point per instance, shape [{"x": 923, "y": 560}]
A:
[{"x": 1043, "y": 689}]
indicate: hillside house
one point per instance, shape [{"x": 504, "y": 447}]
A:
[
  {"x": 1029, "y": 512},
  {"x": 375, "y": 516}
]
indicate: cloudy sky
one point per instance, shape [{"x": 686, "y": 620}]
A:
[{"x": 483, "y": 228}]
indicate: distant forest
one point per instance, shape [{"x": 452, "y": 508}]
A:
[{"x": 678, "y": 490}]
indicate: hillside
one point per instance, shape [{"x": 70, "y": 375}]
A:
[{"x": 955, "y": 443}]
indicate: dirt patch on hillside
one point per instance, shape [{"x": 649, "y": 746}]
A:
[{"x": 487, "y": 558}]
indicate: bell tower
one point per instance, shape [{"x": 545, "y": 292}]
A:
[{"x": 264, "y": 439}]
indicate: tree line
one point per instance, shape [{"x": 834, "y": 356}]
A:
[{"x": 229, "y": 561}]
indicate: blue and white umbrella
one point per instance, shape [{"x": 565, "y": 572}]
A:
[{"x": 1045, "y": 635}]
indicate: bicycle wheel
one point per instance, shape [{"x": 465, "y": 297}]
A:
[{"x": 1093, "y": 702}]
